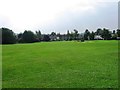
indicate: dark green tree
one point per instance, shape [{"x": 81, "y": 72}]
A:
[
  {"x": 72, "y": 36},
  {"x": 19, "y": 37},
  {"x": 87, "y": 34},
  {"x": 75, "y": 34},
  {"x": 92, "y": 35},
  {"x": 46, "y": 38},
  {"x": 39, "y": 35},
  {"x": 8, "y": 36},
  {"x": 59, "y": 36},
  {"x": 106, "y": 34},
  {"x": 53, "y": 33},
  {"x": 114, "y": 35},
  {"x": 53, "y": 36},
  {"x": 68, "y": 35},
  {"x": 118, "y": 32},
  {"x": 114, "y": 32},
  {"x": 28, "y": 37},
  {"x": 99, "y": 31}
]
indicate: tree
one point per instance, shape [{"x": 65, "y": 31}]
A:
[
  {"x": 114, "y": 32},
  {"x": 46, "y": 38},
  {"x": 19, "y": 37},
  {"x": 39, "y": 36},
  {"x": 53, "y": 33},
  {"x": 68, "y": 35},
  {"x": 8, "y": 36},
  {"x": 92, "y": 35},
  {"x": 59, "y": 36},
  {"x": 28, "y": 37},
  {"x": 106, "y": 34},
  {"x": 99, "y": 31},
  {"x": 87, "y": 35},
  {"x": 75, "y": 34},
  {"x": 53, "y": 36},
  {"x": 72, "y": 36},
  {"x": 118, "y": 32},
  {"x": 114, "y": 35}
]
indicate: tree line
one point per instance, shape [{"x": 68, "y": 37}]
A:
[{"x": 9, "y": 37}]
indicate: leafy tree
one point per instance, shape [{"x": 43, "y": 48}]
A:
[
  {"x": 106, "y": 34},
  {"x": 59, "y": 36},
  {"x": 53, "y": 36},
  {"x": 75, "y": 34},
  {"x": 118, "y": 32},
  {"x": 28, "y": 37},
  {"x": 46, "y": 38},
  {"x": 53, "y": 33},
  {"x": 99, "y": 31},
  {"x": 19, "y": 37},
  {"x": 87, "y": 35},
  {"x": 114, "y": 35},
  {"x": 8, "y": 36},
  {"x": 68, "y": 35},
  {"x": 114, "y": 32},
  {"x": 92, "y": 35},
  {"x": 39, "y": 36},
  {"x": 72, "y": 36}
]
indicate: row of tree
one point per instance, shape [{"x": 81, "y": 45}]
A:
[{"x": 9, "y": 37}]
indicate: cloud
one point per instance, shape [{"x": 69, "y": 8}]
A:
[{"x": 28, "y": 14}]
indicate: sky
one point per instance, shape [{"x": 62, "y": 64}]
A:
[{"x": 58, "y": 15}]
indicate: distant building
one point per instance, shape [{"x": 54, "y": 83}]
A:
[
  {"x": 98, "y": 37},
  {"x": 63, "y": 37},
  {"x": 80, "y": 36},
  {"x": 53, "y": 37},
  {"x": 118, "y": 38},
  {"x": 58, "y": 38}
]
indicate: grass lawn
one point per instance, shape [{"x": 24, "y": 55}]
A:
[{"x": 91, "y": 64}]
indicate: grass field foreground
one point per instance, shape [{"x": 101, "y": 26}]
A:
[{"x": 91, "y": 64}]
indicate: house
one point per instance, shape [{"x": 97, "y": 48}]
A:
[
  {"x": 80, "y": 36},
  {"x": 98, "y": 37},
  {"x": 53, "y": 37},
  {"x": 63, "y": 37},
  {"x": 118, "y": 38}
]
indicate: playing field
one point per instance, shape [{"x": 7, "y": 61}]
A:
[{"x": 91, "y": 64}]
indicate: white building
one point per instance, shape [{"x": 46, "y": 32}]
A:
[{"x": 98, "y": 37}]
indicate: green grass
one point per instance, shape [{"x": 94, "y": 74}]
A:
[
  {"x": 0, "y": 67},
  {"x": 92, "y": 64}
]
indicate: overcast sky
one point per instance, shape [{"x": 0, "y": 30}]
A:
[{"x": 58, "y": 15}]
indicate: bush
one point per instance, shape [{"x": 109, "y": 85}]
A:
[{"x": 82, "y": 40}]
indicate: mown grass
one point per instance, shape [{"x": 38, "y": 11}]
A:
[
  {"x": 92, "y": 64},
  {"x": 0, "y": 66}
]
